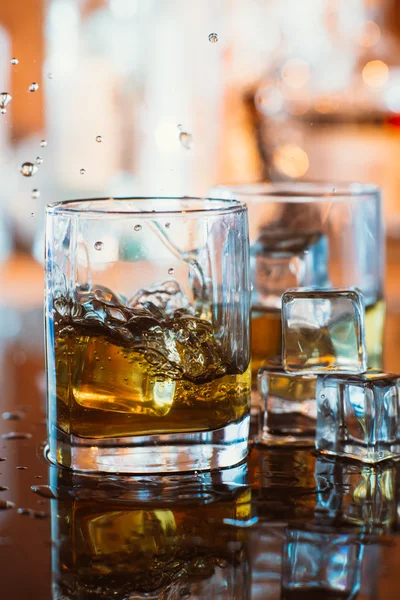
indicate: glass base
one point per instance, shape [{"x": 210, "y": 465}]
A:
[
  {"x": 286, "y": 439},
  {"x": 361, "y": 454},
  {"x": 169, "y": 453}
]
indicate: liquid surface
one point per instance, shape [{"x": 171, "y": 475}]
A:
[{"x": 146, "y": 367}]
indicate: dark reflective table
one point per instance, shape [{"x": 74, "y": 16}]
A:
[{"x": 287, "y": 525}]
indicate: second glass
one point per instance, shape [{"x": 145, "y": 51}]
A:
[
  {"x": 147, "y": 333},
  {"x": 308, "y": 234}
]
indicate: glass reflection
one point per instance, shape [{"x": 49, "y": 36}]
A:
[{"x": 151, "y": 537}]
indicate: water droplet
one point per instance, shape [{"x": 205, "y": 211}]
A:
[
  {"x": 3, "y": 488},
  {"x": 50, "y": 75},
  {"x": 99, "y": 246},
  {"x": 3, "y": 111},
  {"x": 137, "y": 228},
  {"x": 99, "y": 138},
  {"x": 186, "y": 140},
  {"x": 5, "y": 98},
  {"x": 13, "y": 416},
  {"x": 35, "y": 194},
  {"x": 28, "y": 169},
  {"x": 6, "y": 504},
  {"x": 43, "y": 143},
  {"x": 15, "y": 435},
  {"x": 2, "y": 459},
  {"x": 167, "y": 225},
  {"x": 82, "y": 171},
  {"x": 32, "y": 214},
  {"x": 34, "y": 87},
  {"x": 39, "y": 160},
  {"x": 26, "y": 512},
  {"x": 185, "y": 593},
  {"x": 171, "y": 271},
  {"x": 37, "y": 477},
  {"x": 14, "y": 61},
  {"x": 213, "y": 38},
  {"x": 22, "y": 468}
]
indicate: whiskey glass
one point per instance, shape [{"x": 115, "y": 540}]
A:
[{"x": 147, "y": 334}]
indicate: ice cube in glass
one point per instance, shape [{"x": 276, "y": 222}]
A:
[
  {"x": 323, "y": 330},
  {"x": 358, "y": 416}
]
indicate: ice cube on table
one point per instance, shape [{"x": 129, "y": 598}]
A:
[
  {"x": 321, "y": 564},
  {"x": 323, "y": 330},
  {"x": 356, "y": 495},
  {"x": 288, "y": 409},
  {"x": 358, "y": 416},
  {"x": 281, "y": 259}
]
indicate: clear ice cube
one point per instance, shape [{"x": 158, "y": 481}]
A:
[
  {"x": 356, "y": 495},
  {"x": 288, "y": 408},
  {"x": 323, "y": 330},
  {"x": 320, "y": 564},
  {"x": 358, "y": 416},
  {"x": 282, "y": 259}
]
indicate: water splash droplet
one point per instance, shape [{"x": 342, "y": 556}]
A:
[
  {"x": 99, "y": 138},
  {"x": 39, "y": 160},
  {"x": 6, "y": 504},
  {"x": 50, "y": 75},
  {"x": 137, "y": 228},
  {"x": 186, "y": 140},
  {"x": 99, "y": 246},
  {"x": 43, "y": 143},
  {"x": 44, "y": 491},
  {"x": 213, "y": 38},
  {"x": 16, "y": 435},
  {"x": 5, "y": 98},
  {"x": 82, "y": 171},
  {"x": 34, "y": 87},
  {"x": 3, "y": 488},
  {"x": 13, "y": 416},
  {"x": 28, "y": 169},
  {"x": 35, "y": 194},
  {"x": 26, "y": 512},
  {"x": 171, "y": 271},
  {"x": 22, "y": 468},
  {"x": 167, "y": 225},
  {"x": 3, "y": 111},
  {"x": 14, "y": 61}
]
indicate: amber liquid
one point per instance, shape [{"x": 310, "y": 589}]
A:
[
  {"x": 266, "y": 331},
  {"x": 118, "y": 549},
  {"x": 140, "y": 371}
]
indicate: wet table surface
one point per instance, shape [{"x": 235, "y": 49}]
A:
[{"x": 288, "y": 524}]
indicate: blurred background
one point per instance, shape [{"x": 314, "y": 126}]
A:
[{"x": 128, "y": 97}]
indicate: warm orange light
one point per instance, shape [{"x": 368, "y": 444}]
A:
[
  {"x": 291, "y": 160},
  {"x": 295, "y": 72},
  {"x": 375, "y": 73}
]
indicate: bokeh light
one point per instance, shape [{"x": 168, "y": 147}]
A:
[{"x": 375, "y": 73}]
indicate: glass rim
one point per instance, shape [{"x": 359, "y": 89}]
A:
[
  {"x": 74, "y": 207},
  {"x": 307, "y": 190}
]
